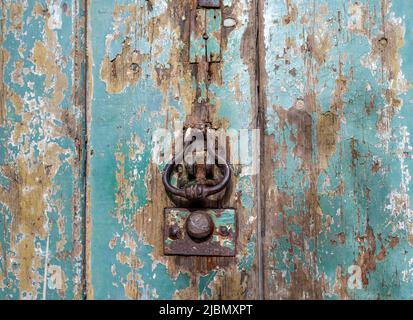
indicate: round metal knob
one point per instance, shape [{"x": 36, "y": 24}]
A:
[{"x": 199, "y": 225}]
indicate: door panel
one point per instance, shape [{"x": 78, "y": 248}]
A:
[
  {"x": 143, "y": 80},
  {"x": 327, "y": 83},
  {"x": 337, "y": 86},
  {"x": 42, "y": 149}
]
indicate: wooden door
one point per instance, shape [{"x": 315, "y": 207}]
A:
[
  {"x": 144, "y": 79},
  {"x": 42, "y": 150},
  {"x": 85, "y": 85},
  {"x": 336, "y": 90}
]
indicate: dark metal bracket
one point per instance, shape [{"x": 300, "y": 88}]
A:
[
  {"x": 200, "y": 232},
  {"x": 209, "y": 3}
]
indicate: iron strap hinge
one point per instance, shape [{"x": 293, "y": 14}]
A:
[{"x": 205, "y": 33}]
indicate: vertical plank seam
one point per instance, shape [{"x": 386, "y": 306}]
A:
[
  {"x": 260, "y": 126},
  {"x": 86, "y": 154},
  {"x": 2, "y": 88}
]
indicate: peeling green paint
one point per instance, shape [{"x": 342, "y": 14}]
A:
[
  {"x": 336, "y": 172},
  {"x": 42, "y": 149},
  {"x": 335, "y": 90},
  {"x": 122, "y": 199},
  {"x": 247, "y": 260},
  {"x": 204, "y": 282},
  {"x": 214, "y": 30}
]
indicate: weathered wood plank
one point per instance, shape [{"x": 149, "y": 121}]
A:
[
  {"x": 197, "y": 30},
  {"x": 338, "y": 92},
  {"x": 206, "y": 30},
  {"x": 142, "y": 80},
  {"x": 214, "y": 32},
  {"x": 41, "y": 149}
]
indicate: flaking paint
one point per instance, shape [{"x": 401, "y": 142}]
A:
[
  {"x": 41, "y": 155},
  {"x": 338, "y": 113}
]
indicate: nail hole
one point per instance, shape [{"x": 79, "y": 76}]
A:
[
  {"x": 134, "y": 66},
  {"x": 383, "y": 42}
]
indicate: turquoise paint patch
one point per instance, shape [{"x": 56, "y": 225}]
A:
[
  {"x": 157, "y": 277},
  {"x": 204, "y": 282},
  {"x": 247, "y": 261},
  {"x": 246, "y": 188},
  {"x": 114, "y": 124},
  {"x": 60, "y": 201}
]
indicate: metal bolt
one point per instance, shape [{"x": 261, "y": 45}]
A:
[
  {"x": 199, "y": 225},
  {"x": 223, "y": 230},
  {"x": 205, "y": 36},
  {"x": 173, "y": 232}
]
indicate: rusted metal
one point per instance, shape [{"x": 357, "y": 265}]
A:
[
  {"x": 223, "y": 230},
  {"x": 174, "y": 232},
  {"x": 200, "y": 232},
  {"x": 197, "y": 191},
  {"x": 199, "y": 225},
  {"x": 209, "y": 3}
]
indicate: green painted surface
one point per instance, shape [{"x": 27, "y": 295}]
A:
[
  {"x": 214, "y": 31},
  {"x": 41, "y": 149},
  {"x": 205, "y": 36},
  {"x": 336, "y": 86},
  {"x": 122, "y": 119},
  {"x": 127, "y": 197},
  {"x": 197, "y": 45},
  {"x": 339, "y": 113}
]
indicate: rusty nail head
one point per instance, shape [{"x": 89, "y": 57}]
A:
[
  {"x": 223, "y": 230},
  {"x": 209, "y": 3},
  {"x": 173, "y": 232},
  {"x": 199, "y": 225}
]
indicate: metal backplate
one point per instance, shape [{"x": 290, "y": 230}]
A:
[
  {"x": 209, "y": 3},
  {"x": 221, "y": 243}
]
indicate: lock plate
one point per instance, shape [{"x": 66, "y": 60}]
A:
[{"x": 220, "y": 243}]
